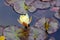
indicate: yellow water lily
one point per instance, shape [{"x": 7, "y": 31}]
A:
[
  {"x": 24, "y": 19},
  {"x": 2, "y": 37}
]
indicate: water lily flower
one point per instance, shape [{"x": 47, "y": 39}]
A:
[
  {"x": 51, "y": 26},
  {"x": 24, "y": 20},
  {"x": 2, "y": 37}
]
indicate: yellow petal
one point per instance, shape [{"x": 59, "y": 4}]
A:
[{"x": 30, "y": 19}]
